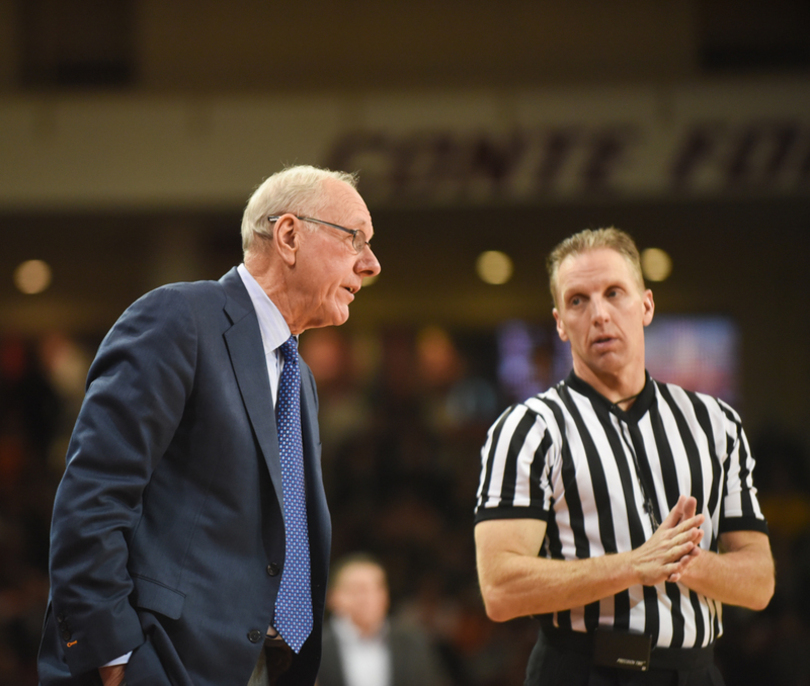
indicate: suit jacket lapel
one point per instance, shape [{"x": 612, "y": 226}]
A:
[
  {"x": 244, "y": 342},
  {"x": 320, "y": 526},
  {"x": 309, "y": 433}
]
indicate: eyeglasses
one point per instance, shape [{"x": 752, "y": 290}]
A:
[{"x": 358, "y": 237}]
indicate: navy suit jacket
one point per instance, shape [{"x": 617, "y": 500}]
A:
[{"x": 167, "y": 535}]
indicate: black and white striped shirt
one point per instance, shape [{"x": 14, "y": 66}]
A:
[{"x": 573, "y": 459}]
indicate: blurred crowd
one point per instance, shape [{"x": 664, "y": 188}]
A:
[
  {"x": 30, "y": 412},
  {"x": 403, "y": 414}
]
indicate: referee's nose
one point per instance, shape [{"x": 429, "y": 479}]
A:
[{"x": 599, "y": 310}]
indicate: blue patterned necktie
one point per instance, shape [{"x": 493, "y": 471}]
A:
[{"x": 293, "y": 619}]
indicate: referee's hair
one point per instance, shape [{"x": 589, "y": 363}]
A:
[{"x": 594, "y": 239}]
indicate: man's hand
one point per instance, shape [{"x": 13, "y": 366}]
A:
[
  {"x": 112, "y": 676},
  {"x": 672, "y": 548},
  {"x": 689, "y": 511}
]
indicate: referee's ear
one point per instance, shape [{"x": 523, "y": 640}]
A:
[
  {"x": 648, "y": 304},
  {"x": 560, "y": 328}
]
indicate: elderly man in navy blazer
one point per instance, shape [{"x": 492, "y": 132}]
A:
[{"x": 191, "y": 536}]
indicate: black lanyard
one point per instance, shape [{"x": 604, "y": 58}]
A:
[{"x": 649, "y": 507}]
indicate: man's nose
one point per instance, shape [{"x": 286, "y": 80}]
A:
[
  {"x": 368, "y": 265},
  {"x": 599, "y": 310}
]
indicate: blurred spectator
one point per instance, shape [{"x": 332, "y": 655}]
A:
[{"x": 361, "y": 646}]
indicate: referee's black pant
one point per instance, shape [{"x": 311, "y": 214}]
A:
[{"x": 566, "y": 659}]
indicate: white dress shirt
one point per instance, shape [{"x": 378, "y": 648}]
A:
[
  {"x": 274, "y": 329},
  {"x": 366, "y": 660}
]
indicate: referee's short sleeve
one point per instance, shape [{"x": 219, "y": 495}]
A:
[
  {"x": 515, "y": 467},
  {"x": 743, "y": 524},
  {"x": 741, "y": 510}
]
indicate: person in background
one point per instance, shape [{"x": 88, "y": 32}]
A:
[
  {"x": 191, "y": 536},
  {"x": 619, "y": 509},
  {"x": 361, "y": 646}
]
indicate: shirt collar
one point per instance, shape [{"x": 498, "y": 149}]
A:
[
  {"x": 638, "y": 409},
  {"x": 273, "y": 327}
]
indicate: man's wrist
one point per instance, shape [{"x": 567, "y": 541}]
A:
[{"x": 112, "y": 675}]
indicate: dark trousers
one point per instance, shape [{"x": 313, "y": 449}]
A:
[
  {"x": 274, "y": 661},
  {"x": 557, "y": 661}
]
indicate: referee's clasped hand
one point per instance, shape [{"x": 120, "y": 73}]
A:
[{"x": 673, "y": 547}]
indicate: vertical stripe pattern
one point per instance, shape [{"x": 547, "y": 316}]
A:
[{"x": 573, "y": 459}]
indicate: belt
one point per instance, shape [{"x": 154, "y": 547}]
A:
[{"x": 681, "y": 659}]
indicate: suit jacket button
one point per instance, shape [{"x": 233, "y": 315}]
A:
[
  {"x": 66, "y": 634},
  {"x": 273, "y": 569},
  {"x": 254, "y": 636},
  {"x": 60, "y": 618}
]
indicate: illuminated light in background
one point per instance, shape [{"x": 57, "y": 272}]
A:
[
  {"x": 494, "y": 267},
  {"x": 369, "y": 280},
  {"x": 656, "y": 264},
  {"x": 32, "y": 276}
]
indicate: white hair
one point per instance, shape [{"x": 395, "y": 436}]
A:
[{"x": 298, "y": 189}]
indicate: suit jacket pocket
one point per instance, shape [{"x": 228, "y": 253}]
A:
[{"x": 157, "y": 597}]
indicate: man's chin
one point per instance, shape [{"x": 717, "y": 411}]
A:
[
  {"x": 607, "y": 364},
  {"x": 341, "y": 316}
]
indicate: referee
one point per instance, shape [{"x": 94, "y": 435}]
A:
[{"x": 619, "y": 509}]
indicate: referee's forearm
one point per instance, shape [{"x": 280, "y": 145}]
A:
[
  {"x": 516, "y": 585},
  {"x": 743, "y": 576},
  {"x": 515, "y": 582}
]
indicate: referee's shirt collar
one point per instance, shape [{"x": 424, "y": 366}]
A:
[{"x": 638, "y": 409}]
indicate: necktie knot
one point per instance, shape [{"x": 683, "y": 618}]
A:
[{"x": 289, "y": 349}]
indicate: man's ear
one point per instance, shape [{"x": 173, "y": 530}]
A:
[
  {"x": 648, "y": 304},
  {"x": 560, "y": 328},
  {"x": 285, "y": 238}
]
